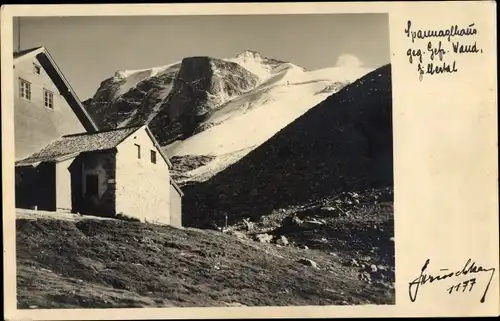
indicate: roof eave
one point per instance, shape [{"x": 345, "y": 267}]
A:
[
  {"x": 157, "y": 145},
  {"x": 24, "y": 165},
  {"x": 71, "y": 91},
  {"x": 177, "y": 188},
  {"x": 34, "y": 52}
]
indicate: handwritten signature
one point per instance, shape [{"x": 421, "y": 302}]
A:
[{"x": 470, "y": 267}]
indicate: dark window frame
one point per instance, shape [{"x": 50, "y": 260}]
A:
[
  {"x": 153, "y": 156},
  {"x": 138, "y": 151}
]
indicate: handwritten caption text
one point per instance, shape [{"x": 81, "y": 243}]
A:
[{"x": 435, "y": 52}]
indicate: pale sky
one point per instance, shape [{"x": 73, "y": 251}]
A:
[{"x": 90, "y": 49}]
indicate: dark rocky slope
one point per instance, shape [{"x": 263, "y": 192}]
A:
[
  {"x": 115, "y": 103},
  {"x": 202, "y": 84},
  {"x": 344, "y": 143}
]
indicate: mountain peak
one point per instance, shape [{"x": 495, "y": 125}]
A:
[{"x": 249, "y": 53}]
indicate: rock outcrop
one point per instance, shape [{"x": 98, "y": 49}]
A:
[{"x": 202, "y": 84}]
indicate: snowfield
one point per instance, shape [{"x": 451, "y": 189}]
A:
[{"x": 254, "y": 63}]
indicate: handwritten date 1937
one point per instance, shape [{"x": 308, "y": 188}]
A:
[
  {"x": 469, "y": 268},
  {"x": 468, "y": 284}
]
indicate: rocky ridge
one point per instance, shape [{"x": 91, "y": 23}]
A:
[{"x": 172, "y": 100}]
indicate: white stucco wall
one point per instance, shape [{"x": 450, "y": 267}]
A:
[
  {"x": 34, "y": 124},
  {"x": 175, "y": 208},
  {"x": 142, "y": 188},
  {"x": 63, "y": 185}
]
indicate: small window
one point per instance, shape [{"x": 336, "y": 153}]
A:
[
  {"x": 37, "y": 69},
  {"x": 153, "y": 157},
  {"x": 91, "y": 185},
  {"x": 138, "y": 150},
  {"x": 48, "y": 99},
  {"x": 25, "y": 89}
]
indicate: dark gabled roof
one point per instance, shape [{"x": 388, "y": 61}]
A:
[
  {"x": 69, "y": 94},
  {"x": 21, "y": 53},
  {"x": 72, "y": 145}
]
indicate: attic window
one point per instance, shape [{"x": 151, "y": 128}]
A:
[
  {"x": 48, "y": 99},
  {"x": 25, "y": 89},
  {"x": 37, "y": 69},
  {"x": 153, "y": 157},
  {"x": 138, "y": 150}
]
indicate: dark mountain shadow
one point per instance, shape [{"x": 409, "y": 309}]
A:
[{"x": 342, "y": 144}]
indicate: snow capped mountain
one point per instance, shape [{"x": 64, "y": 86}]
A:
[
  {"x": 148, "y": 72},
  {"x": 222, "y": 108},
  {"x": 263, "y": 67}
]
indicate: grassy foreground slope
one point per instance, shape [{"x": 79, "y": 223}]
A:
[{"x": 110, "y": 263}]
